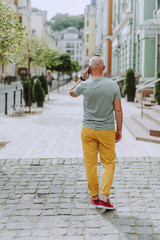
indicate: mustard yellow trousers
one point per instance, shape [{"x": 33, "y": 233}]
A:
[{"x": 102, "y": 141}]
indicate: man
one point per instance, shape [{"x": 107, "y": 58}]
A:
[{"x": 101, "y": 98}]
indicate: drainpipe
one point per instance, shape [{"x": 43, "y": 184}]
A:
[
  {"x": 156, "y": 48},
  {"x": 133, "y": 26}
]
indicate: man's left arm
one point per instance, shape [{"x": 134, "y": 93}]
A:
[
  {"x": 84, "y": 77},
  {"x": 71, "y": 92}
]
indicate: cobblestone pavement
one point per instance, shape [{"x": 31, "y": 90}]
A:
[
  {"x": 46, "y": 199},
  {"x": 43, "y": 188}
]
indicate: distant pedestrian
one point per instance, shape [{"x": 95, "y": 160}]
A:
[{"x": 101, "y": 99}]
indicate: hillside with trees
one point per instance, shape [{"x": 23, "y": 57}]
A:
[{"x": 63, "y": 21}]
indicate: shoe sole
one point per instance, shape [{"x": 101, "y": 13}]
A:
[
  {"x": 97, "y": 206},
  {"x": 107, "y": 208}
]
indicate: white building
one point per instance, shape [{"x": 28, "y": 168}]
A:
[
  {"x": 70, "y": 41},
  {"x": 40, "y": 29}
]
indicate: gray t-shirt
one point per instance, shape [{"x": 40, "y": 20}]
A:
[{"x": 99, "y": 94}]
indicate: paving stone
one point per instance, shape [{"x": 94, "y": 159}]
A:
[
  {"x": 111, "y": 236},
  {"x": 144, "y": 230}
]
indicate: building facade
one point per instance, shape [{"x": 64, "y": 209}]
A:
[
  {"x": 70, "y": 41},
  {"x": 89, "y": 31},
  {"x": 103, "y": 33},
  {"x": 41, "y": 29},
  {"x": 136, "y": 37}
]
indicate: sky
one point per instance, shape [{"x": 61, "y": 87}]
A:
[{"x": 72, "y": 7}]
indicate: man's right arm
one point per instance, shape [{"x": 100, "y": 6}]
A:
[{"x": 119, "y": 118}]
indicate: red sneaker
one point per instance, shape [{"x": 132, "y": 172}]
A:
[
  {"x": 95, "y": 203},
  {"x": 105, "y": 205}
]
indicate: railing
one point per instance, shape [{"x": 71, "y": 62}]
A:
[{"x": 142, "y": 89}]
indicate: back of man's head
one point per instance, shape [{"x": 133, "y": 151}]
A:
[{"x": 96, "y": 62}]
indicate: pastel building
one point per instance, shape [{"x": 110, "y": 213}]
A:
[
  {"x": 136, "y": 37},
  {"x": 89, "y": 32},
  {"x": 41, "y": 29},
  {"x": 103, "y": 35}
]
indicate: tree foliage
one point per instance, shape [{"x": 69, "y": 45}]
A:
[
  {"x": 11, "y": 33},
  {"x": 63, "y": 21}
]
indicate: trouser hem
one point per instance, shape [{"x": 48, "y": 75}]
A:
[{"x": 93, "y": 193}]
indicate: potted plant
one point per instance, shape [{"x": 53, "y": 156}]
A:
[
  {"x": 44, "y": 83},
  {"x": 130, "y": 85},
  {"x": 157, "y": 89},
  {"x": 39, "y": 93}
]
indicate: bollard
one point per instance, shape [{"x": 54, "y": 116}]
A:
[
  {"x": 14, "y": 99},
  {"x": 6, "y": 99},
  {"x": 21, "y": 97}
]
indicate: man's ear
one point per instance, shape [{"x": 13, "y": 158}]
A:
[{"x": 104, "y": 67}]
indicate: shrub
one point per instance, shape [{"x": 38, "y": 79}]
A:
[
  {"x": 129, "y": 83},
  {"x": 157, "y": 89},
  {"x": 25, "y": 91},
  {"x": 44, "y": 83},
  {"x": 39, "y": 93}
]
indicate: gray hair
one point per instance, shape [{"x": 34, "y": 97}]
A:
[{"x": 96, "y": 61}]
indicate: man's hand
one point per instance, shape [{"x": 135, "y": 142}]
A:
[
  {"x": 118, "y": 136},
  {"x": 85, "y": 74}
]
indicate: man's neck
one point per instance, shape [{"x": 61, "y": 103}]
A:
[{"x": 97, "y": 75}]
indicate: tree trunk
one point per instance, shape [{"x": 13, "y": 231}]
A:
[
  {"x": 29, "y": 84},
  {"x": 58, "y": 82}
]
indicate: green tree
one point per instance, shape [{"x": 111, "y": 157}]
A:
[
  {"x": 157, "y": 89},
  {"x": 32, "y": 53},
  {"x": 63, "y": 21},
  {"x": 11, "y": 33}
]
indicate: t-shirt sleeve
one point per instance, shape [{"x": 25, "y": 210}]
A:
[
  {"x": 79, "y": 89},
  {"x": 117, "y": 94}
]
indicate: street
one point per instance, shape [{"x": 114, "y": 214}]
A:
[{"x": 44, "y": 193}]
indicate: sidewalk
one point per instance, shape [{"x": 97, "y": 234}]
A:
[
  {"x": 55, "y": 131},
  {"x": 43, "y": 186}
]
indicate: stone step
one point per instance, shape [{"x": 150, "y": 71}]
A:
[
  {"x": 153, "y": 115},
  {"x": 148, "y": 104},
  {"x": 149, "y": 99},
  {"x": 156, "y": 108},
  {"x": 152, "y": 128},
  {"x": 151, "y": 95},
  {"x": 138, "y": 132}
]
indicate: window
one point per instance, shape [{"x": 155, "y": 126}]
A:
[
  {"x": 87, "y": 38},
  {"x": 87, "y": 52},
  {"x": 20, "y": 19},
  {"x": 16, "y": 2},
  {"x": 158, "y": 3},
  {"x": 69, "y": 45}
]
